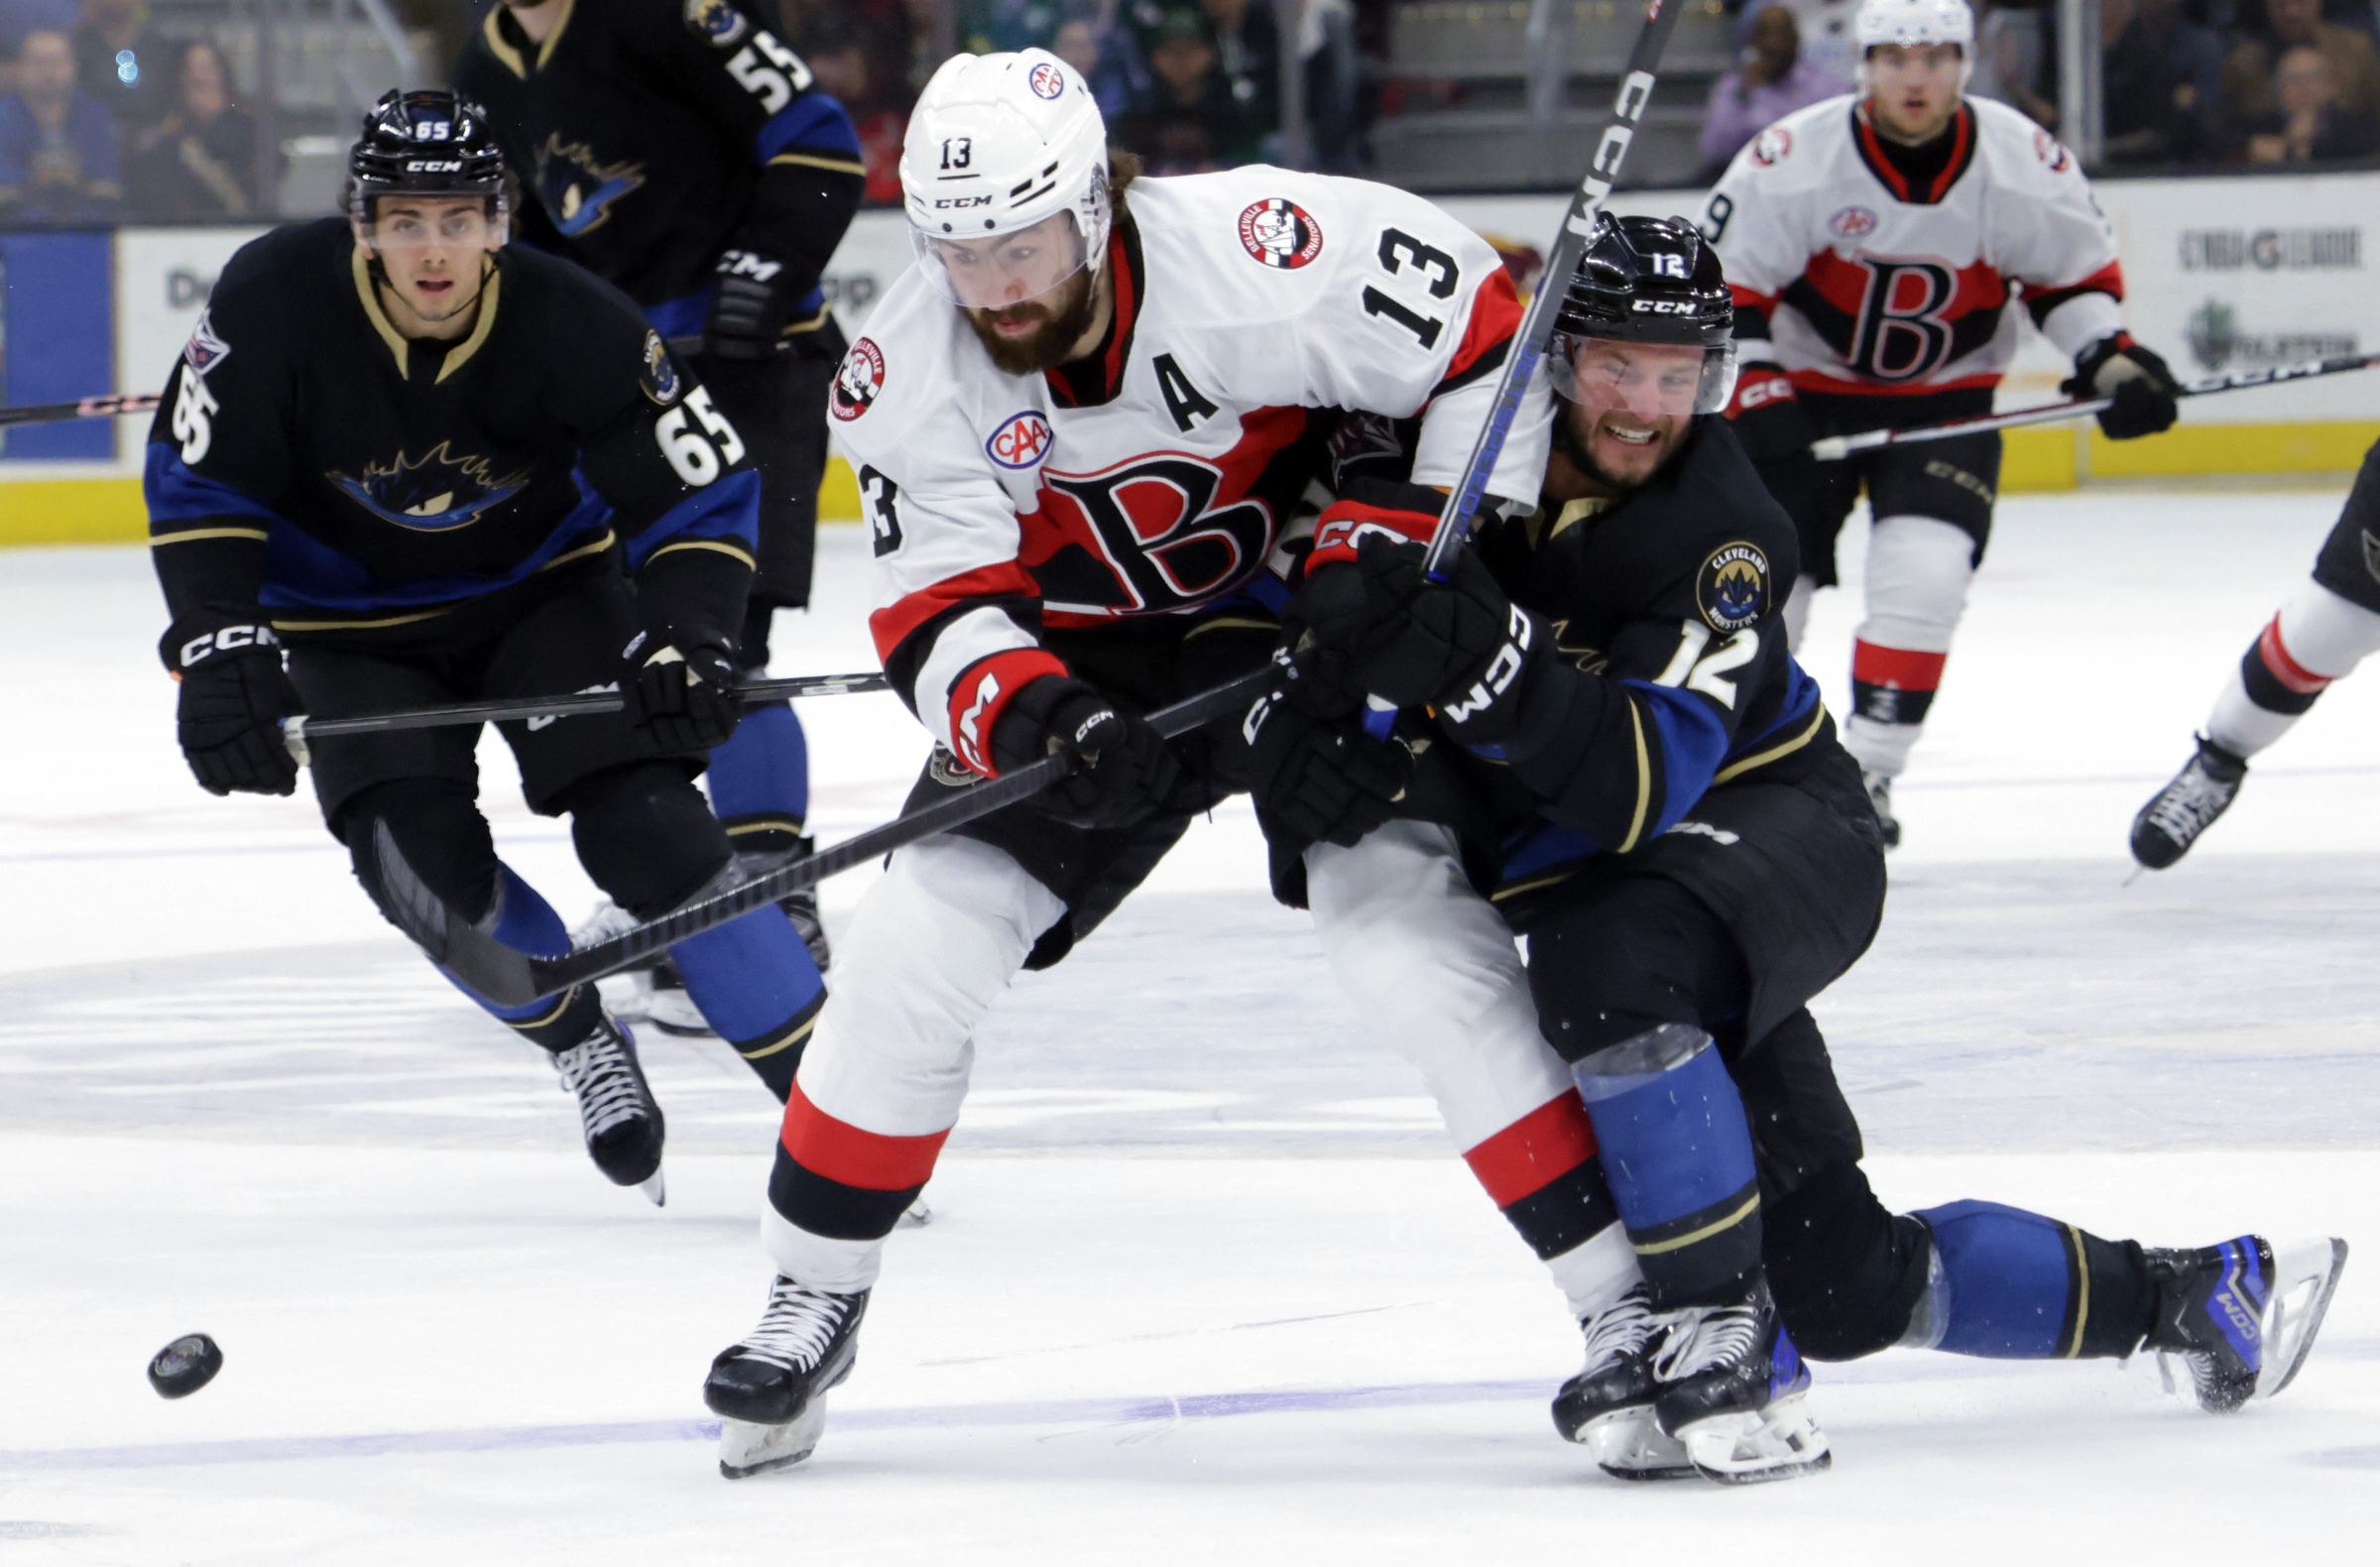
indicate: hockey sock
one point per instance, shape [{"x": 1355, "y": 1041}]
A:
[
  {"x": 1891, "y": 690},
  {"x": 525, "y": 922},
  {"x": 760, "y": 781},
  {"x": 1541, "y": 1173},
  {"x": 1678, "y": 1153},
  {"x": 2317, "y": 637},
  {"x": 2008, "y": 1285},
  {"x": 755, "y": 983}
]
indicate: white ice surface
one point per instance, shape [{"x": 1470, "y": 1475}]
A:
[{"x": 1205, "y": 1283}]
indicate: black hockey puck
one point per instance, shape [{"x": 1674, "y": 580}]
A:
[{"x": 184, "y": 1366}]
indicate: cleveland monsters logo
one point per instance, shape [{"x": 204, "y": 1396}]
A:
[
  {"x": 1732, "y": 589},
  {"x": 436, "y": 492}
]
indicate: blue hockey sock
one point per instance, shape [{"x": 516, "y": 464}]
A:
[
  {"x": 2004, "y": 1285},
  {"x": 1678, "y": 1153},
  {"x": 525, "y": 922},
  {"x": 760, "y": 781},
  {"x": 755, "y": 985}
]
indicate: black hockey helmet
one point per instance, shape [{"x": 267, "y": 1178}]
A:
[
  {"x": 426, "y": 143},
  {"x": 1647, "y": 279}
]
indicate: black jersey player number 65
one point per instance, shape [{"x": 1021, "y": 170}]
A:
[{"x": 694, "y": 459}]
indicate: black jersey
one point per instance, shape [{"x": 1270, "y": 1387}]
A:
[
  {"x": 657, "y": 135},
  {"x": 1672, "y": 674},
  {"x": 310, "y": 462}
]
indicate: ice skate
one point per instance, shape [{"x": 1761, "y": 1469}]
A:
[
  {"x": 1880, "y": 795},
  {"x": 1608, "y": 1405},
  {"x": 802, "y": 907},
  {"x": 770, "y": 1391},
  {"x": 658, "y": 991},
  {"x": 615, "y": 1109},
  {"x": 2172, "y": 820},
  {"x": 2239, "y": 1316},
  {"x": 1734, "y": 1393}
]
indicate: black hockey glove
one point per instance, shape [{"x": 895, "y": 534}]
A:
[
  {"x": 1334, "y": 610},
  {"x": 1320, "y": 779},
  {"x": 748, "y": 313},
  {"x": 234, "y": 696},
  {"x": 681, "y": 691},
  {"x": 2145, "y": 391},
  {"x": 1775, "y": 433},
  {"x": 1128, "y": 771},
  {"x": 1413, "y": 641}
]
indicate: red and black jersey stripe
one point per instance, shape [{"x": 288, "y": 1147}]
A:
[
  {"x": 1920, "y": 176},
  {"x": 1488, "y": 340}
]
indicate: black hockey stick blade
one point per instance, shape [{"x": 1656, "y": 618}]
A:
[
  {"x": 510, "y": 710},
  {"x": 515, "y": 979},
  {"x": 81, "y": 408}
]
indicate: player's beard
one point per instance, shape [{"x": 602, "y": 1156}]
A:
[
  {"x": 1065, "y": 315},
  {"x": 1569, "y": 443}
]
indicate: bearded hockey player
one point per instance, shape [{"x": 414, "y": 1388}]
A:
[
  {"x": 684, "y": 154},
  {"x": 2317, "y": 638},
  {"x": 1620, "y": 753},
  {"x": 1082, "y": 420},
  {"x": 425, "y": 464},
  {"x": 1876, "y": 243}
]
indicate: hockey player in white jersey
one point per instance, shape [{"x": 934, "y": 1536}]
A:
[
  {"x": 1876, "y": 243},
  {"x": 1081, "y": 424}
]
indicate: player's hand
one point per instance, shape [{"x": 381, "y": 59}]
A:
[
  {"x": 1338, "y": 606},
  {"x": 1768, "y": 417},
  {"x": 749, "y": 313},
  {"x": 2144, "y": 389},
  {"x": 1413, "y": 641},
  {"x": 1321, "y": 781},
  {"x": 228, "y": 718},
  {"x": 1125, "y": 771},
  {"x": 679, "y": 692}
]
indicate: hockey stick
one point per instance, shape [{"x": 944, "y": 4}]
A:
[
  {"x": 297, "y": 731},
  {"x": 515, "y": 979},
  {"x": 1833, "y": 448},
  {"x": 86, "y": 407},
  {"x": 1537, "y": 323}
]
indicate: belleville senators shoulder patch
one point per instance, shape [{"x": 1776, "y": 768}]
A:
[
  {"x": 1280, "y": 233},
  {"x": 1732, "y": 589},
  {"x": 858, "y": 382}
]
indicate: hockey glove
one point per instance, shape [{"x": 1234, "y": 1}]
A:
[
  {"x": 749, "y": 310},
  {"x": 681, "y": 691},
  {"x": 1334, "y": 609},
  {"x": 1413, "y": 641},
  {"x": 234, "y": 696},
  {"x": 1775, "y": 432},
  {"x": 1127, "y": 770},
  {"x": 1321, "y": 781},
  {"x": 2142, "y": 384}
]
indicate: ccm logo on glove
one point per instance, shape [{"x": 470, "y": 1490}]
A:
[
  {"x": 1497, "y": 677},
  {"x": 227, "y": 639}
]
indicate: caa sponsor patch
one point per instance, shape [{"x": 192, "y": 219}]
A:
[
  {"x": 716, "y": 22},
  {"x": 1732, "y": 589},
  {"x": 206, "y": 351},
  {"x": 1021, "y": 442},
  {"x": 1046, "y": 80},
  {"x": 1852, "y": 221},
  {"x": 858, "y": 382},
  {"x": 1772, "y": 147},
  {"x": 1280, "y": 233},
  {"x": 662, "y": 381}
]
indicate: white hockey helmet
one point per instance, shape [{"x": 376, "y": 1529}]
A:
[
  {"x": 996, "y": 145},
  {"x": 1912, "y": 24}
]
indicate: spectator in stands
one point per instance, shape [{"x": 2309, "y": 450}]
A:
[
  {"x": 58, "y": 146},
  {"x": 2016, "y": 58},
  {"x": 861, "y": 69},
  {"x": 2162, "y": 77},
  {"x": 199, "y": 160},
  {"x": 1773, "y": 81},
  {"x": 121, "y": 61},
  {"x": 17, "y": 18},
  {"x": 999, "y": 27},
  {"x": 1824, "y": 28},
  {"x": 1247, "y": 51},
  {"x": 2311, "y": 124},
  {"x": 2251, "y": 75},
  {"x": 1190, "y": 121},
  {"x": 1089, "y": 41}
]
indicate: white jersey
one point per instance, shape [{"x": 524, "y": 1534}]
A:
[
  {"x": 1157, "y": 478},
  {"x": 1869, "y": 285}
]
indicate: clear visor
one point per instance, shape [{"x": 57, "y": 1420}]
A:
[
  {"x": 402, "y": 224},
  {"x": 1655, "y": 380},
  {"x": 1001, "y": 269}
]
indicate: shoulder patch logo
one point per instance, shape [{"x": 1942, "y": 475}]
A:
[
  {"x": 1046, "y": 80},
  {"x": 1022, "y": 441},
  {"x": 716, "y": 22},
  {"x": 1772, "y": 147},
  {"x": 858, "y": 381},
  {"x": 1852, "y": 221},
  {"x": 206, "y": 351},
  {"x": 2051, "y": 150},
  {"x": 1732, "y": 589},
  {"x": 1280, "y": 233},
  {"x": 662, "y": 381}
]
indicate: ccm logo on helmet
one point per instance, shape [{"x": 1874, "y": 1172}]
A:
[
  {"x": 945, "y": 203},
  {"x": 433, "y": 165}
]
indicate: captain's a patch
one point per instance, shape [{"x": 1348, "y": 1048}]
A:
[{"x": 1732, "y": 589}]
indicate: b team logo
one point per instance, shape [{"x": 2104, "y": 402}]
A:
[
  {"x": 858, "y": 382},
  {"x": 716, "y": 22},
  {"x": 1772, "y": 147},
  {"x": 1852, "y": 221},
  {"x": 1732, "y": 589},
  {"x": 1022, "y": 441},
  {"x": 1046, "y": 80},
  {"x": 1280, "y": 233}
]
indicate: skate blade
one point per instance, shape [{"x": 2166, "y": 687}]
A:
[
  {"x": 656, "y": 1190},
  {"x": 673, "y": 1012},
  {"x": 2305, "y": 1276},
  {"x": 1781, "y": 1442},
  {"x": 1629, "y": 1444},
  {"x": 747, "y": 1449},
  {"x": 917, "y": 1216}
]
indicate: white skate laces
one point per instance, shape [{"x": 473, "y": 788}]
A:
[
  {"x": 1621, "y": 1330},
  {"x": 598, "y": 1072},
  {"x": 2189, "y": 804},
  {"x": 795, "y": 1330},
  {"x": 1705, "y": 1340}
]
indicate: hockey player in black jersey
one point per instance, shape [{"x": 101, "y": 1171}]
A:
[
  {"x": 425, "y": 466},
  {"x": 683, "y": 153},
  {"x": 1604, "y": 734}
]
